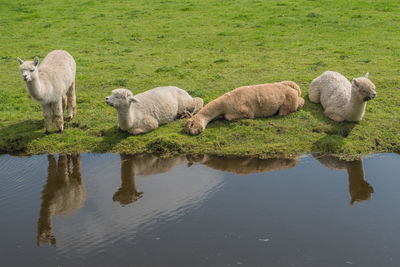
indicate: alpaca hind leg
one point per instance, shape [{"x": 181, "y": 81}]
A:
[
  {"x": 47, "y": 114},
  {"x": 197, "y": 103},
  {"x": 314, "y": 93},
  {"x": 290, "y": 104},
  {"x": 293, "y": 86},
  {"x": 58, "y": 115},
  {"x": 71, "y": 102},
  {"x": 192, "y": 108},
  {"x": 64, "y": 102}
]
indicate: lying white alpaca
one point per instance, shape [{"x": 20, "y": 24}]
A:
[
  {"x": 146, "y": 111},
  {"x": 50, "y": 84},
  {"x": 342, "y": 100},
  {"x": 140, "y": 165}
]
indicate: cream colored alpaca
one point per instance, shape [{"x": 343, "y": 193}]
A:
[
  {"x": 243, "y": 165},
  {"x": 50, "y": 84},
  {"x": 342, "y": 100},
  {"x": 253, "y": 101},
  {"x": 63, "y": 194},
  {"x": 141, "y": 164},
  {"x": 146, "y": 111}
]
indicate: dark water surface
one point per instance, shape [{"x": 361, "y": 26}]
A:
[{"x": 107, "y": 209}]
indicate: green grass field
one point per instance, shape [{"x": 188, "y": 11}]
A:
[{"x": 206, "y": 48}]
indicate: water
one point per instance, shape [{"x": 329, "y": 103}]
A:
[{"x": 107, "y": 209}]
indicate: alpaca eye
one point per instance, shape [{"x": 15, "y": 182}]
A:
[{"x": 31, "y": 70}]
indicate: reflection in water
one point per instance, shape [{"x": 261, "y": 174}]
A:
[
  {"x": 242, "y": 165},
  {"x": 198, "y": 216},
  {"x": 63, "y": 194},
  {"x": 359, "y": 189},
  {"x": 142, "y": 164}
]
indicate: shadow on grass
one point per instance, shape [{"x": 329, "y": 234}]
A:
[
  {"x": 14, "y": 138},
  {"x": 111, "y": 137},
  {"x": 336, "y": 132}
]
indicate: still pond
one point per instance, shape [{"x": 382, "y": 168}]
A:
[{"x": 120, "y": 210}]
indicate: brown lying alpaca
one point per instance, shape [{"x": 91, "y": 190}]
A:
[
  {"x": 243, "y": 165},
  {"x": 252, "y": 101}
]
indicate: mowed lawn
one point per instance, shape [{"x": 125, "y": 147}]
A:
[{"x": 207, "y": 48}]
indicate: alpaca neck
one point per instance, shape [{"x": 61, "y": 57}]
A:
[
  {"x": 211, "y": 110},
  {"x": 35, "y": 89},
  {"x": 45, "y": 220},
  {"x": 359, "y": 189},
  {"x": 125, "y": 118},
  {"x": 45, "y": 226},
  {"x": 128, "y": 174},
  {"x": 355, "y": 108},
  {"x": 356, "y": 172},
  {"x": 128, "y": 184}
]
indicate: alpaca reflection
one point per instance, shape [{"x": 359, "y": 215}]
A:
[
  {"x": 359, "y": 189},
  {"x": 142, "y": 164},
  {"x": 242, "y": 165},
  {"x": 63, "y": 194}
]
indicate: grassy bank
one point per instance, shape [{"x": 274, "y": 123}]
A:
[{"x": 206, "y": 48}]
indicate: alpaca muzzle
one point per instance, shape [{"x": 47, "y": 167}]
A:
[
  {"x": 372, "y": 96},
  {"x": 108, "y": 102}
]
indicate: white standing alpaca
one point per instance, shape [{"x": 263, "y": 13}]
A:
[
  {"x": 146, "y": 111},
  {"x": 50, "y": 84},
  {"x": 342, "y": 100}
]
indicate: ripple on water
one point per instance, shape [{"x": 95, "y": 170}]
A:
[{"x": 22, "y": 178}]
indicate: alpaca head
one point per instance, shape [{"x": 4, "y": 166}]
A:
[
  {"x": 126, "y": 196},
  {"x": 194, "y": 126},
  {"x": 28, "y": 69},
  {"x": 46, "y": 236},
  {"x": 364, "y": 88},
  {"x": 121, "y": 99}
]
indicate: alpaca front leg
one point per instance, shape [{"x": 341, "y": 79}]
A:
[
  {"x": 241, "y": 112},
  {"x": 334, "y": 116},
  {"x": 148, "y": 124},
  {"x": 47, "y": 114},
  {"x": 71, "y": 107},
  {"x": 58, "y": 115}
]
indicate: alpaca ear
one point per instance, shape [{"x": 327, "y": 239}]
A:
[
  {"x": 366, "y": 75},
  {"x": 133, "y": 100},
  {"x": 20, "y": 61},
  {"x": 355, "y": 82},
  {"x": 36, "y": 61}
]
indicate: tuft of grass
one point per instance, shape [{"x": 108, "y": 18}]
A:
[
  {"x": 221, "y": 60},
  {"x": 313, "y": 15},
  {"x": 162, "y": 146},
  {"x": 207, "y": 48}
]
